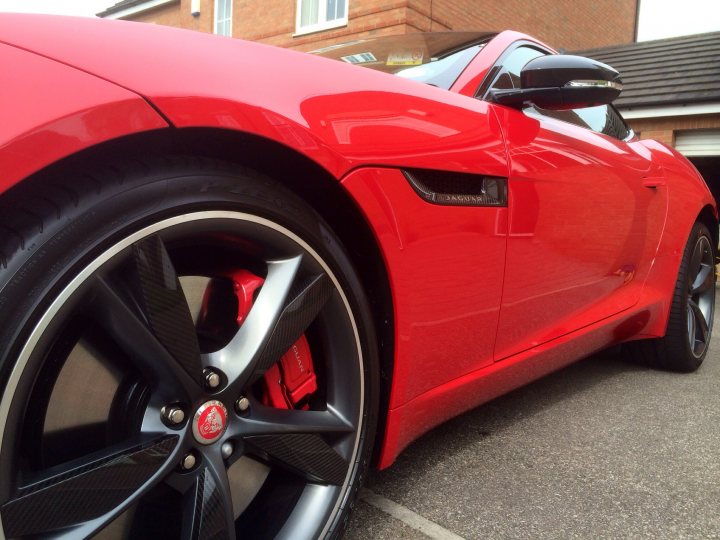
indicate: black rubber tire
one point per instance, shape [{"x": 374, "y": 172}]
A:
[
  {"x": 52, "y": 226},
  {"x": 672, "y": 352}
]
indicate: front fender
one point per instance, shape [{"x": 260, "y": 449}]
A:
[
  {"x": 340, "y": 116},
  {"x": 51, "y": 110}
]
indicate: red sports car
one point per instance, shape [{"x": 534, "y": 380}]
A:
[{"x": 232, "y": 276}]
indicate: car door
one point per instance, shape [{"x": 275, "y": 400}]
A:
[{"x": 586, "y": 210}]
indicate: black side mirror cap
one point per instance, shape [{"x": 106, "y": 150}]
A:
[{"x": 562, "y": 82}]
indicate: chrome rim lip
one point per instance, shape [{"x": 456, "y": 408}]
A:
[
  {"x": 323, "y": 493},
  {"x": 705, "y": 301}
]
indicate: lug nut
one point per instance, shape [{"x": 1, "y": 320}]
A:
[
  {"x": 212, "y": 379},
  {"x": 188, "y": 462},
  {"x": 174, "y": 415},
  {"x": 226, "y": 449},
  {"x": 242, "y": 404}
]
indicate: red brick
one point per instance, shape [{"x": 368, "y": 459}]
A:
[{"x": 566, "y": 24}]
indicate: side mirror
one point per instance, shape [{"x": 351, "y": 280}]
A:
[{"x": 561, "y": 81}]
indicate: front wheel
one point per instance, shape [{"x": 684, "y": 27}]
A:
[
  {"x": 686, "y": 342},
  {"x": 186, "y": 353}
]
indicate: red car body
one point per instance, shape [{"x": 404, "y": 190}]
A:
[{"x": 584, "y": 256}]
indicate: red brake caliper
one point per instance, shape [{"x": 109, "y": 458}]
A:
[{"x": 290, "y": 382}]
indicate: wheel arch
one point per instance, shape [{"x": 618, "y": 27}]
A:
[
  {"x": 319, "y": 188},
  {"x": 707, "y": 217}
]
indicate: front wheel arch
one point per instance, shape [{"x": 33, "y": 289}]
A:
[
  {"x": 707, "y": 217},
  {"x": 314, "y": 184}
]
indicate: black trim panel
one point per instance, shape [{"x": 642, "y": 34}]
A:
[{"x": 448, "y": 188}]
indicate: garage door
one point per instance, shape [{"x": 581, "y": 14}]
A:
[{"x": 698, "y": 143}]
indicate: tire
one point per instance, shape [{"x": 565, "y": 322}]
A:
[
  {"x": 686, "y": 342},
  {"x": 140, "y": 379}
]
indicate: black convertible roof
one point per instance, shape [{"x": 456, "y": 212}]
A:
[{"x": 669, "y": 71}]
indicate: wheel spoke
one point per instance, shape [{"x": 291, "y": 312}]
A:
[
  {"x": 165, "y": 305},
  {"x": 302, "y": 309},
  {"x": 270, "y": 421},
  {"x": 95, "y": 489},
  {"x": 237, "y": 360},
  {"x": 120, "y": 320},
  {"x": 691, "y": 326},
  {"x": 703, "y": 280},
  {"x": 696, "y": 259},
  {"x": 699, "y": 323},
  {"x": 303, "y": 453},
  {"x": 209, "y": 512}
]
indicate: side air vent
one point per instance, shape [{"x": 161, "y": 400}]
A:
[{"x": 458, "y": 189}]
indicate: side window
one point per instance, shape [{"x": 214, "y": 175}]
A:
[{"x": 602, "y": 119}]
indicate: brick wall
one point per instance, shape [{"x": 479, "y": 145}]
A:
[
  {"x": 664, "y": 129},
  {"x": 179, "y": 15},
  {"x": 274, "y": 23},
  {"x": 568, "y": 24}
]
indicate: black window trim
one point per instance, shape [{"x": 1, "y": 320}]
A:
[{"x": 492, "y": 73}]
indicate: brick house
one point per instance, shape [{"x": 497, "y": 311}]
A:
[{"x": 310, "y": 24}]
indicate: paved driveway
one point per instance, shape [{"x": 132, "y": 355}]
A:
[{"x": 599, "y": 449}]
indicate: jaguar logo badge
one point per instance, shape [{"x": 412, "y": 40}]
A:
[{"x": 210, "y": 422}]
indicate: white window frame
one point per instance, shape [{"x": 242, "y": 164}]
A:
[
  {"x": 323, "y": 23},
  {"x": 229, "y": 18}
]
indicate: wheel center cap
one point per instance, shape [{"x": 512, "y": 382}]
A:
[{"x": 209, "y": 422}]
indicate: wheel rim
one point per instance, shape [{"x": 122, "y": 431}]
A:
[
  {"x": 129, "y": 294},
  {"x": 700, "y": 296}
]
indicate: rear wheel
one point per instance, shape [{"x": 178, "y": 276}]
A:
[
  {"x": 186, "y": 353},
  {"x": 685, "y": 344}
]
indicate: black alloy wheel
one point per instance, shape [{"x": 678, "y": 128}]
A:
[
  {"x": 686, "y": 341},
  {"x": 135, "y": 395},
  {"x": 700, "y": 296}
]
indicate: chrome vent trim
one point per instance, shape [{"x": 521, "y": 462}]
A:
[{"x": 447, "y": 188}]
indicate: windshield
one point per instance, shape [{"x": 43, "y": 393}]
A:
[{"x": 434, "y": 58}]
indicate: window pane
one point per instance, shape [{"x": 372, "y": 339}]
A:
[
  {"x": 604, "y": 119},
  {"x": 223, "y": 17},
  {"x": 441, "y": 72},
  {"x": 601, "y": 119},
  {"x": 309, "y": 12},
  {"x": 436, "y": 59},
  {"x": 335, "y": 9}
]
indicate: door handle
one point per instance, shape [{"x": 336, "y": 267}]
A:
[{"x": 653, "y": 182}]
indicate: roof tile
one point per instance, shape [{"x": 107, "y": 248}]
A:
[{"x": 669, "y": 71}]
